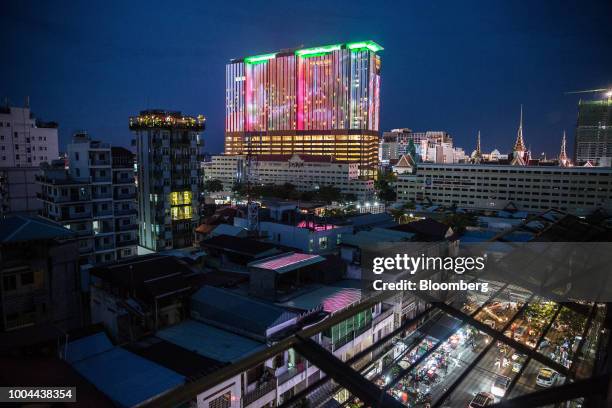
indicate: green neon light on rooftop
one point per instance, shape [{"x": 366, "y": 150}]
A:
[
  {"x": 259, "y": 58},
  {"x": 370, "y": 45},
  {"x": 318, "y": 50}
]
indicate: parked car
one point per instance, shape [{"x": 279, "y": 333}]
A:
[
  {"x": 546, "y": 377},
  {"x": 482, "y": 399},
  {"x": 500, "y": 386},
  {"x": 518, "y": 360}
]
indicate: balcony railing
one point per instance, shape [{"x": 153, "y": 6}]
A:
[
  {"x": 125, "y": 196},
  {"x": 382, "y": 316},
  {"x": 100, "y": 179},
  {"x": 127, "y": 227},
  {"x": 258, "y": 392},
  {"x": 292, "y": 372},
  {"x": 129, "y": 242},
  {"x": 103, "y": 213},
  {"x": 100, "y": 162},
  {"x": 99, "y": 196},
  {"x": 130, "y": 211},
  {"x": 129, "y": 180}
]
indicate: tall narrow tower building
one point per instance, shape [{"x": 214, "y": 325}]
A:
[{"x": 169, "y": 150}]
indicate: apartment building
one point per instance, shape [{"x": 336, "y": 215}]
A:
[
  {"x": 82, "y": 195},
  {"x": 577, "y": 190},
  {"x": 169, "y": 153},
  {"x": 305, "y": 172},
  {"x": 18, "y": 191},
  {"x": 39, "y": 276},
  {"x": 24, "y": 140}
]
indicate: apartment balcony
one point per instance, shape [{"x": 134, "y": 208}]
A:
[
  {"x": 103, "y": 213},
  {"x": 127, "y": 227},
  {"x": 62, "y": 199},
  {"x": 99, "y": 163},
  {"x": 125, "y": 196},
  {"x": 126, "y": 243},
  {"x": 130, "y": 211},
  {"x": 383, "y": 315},
  {"x": 68, "y": 217},
  {"x": 101, "y": 179},
  {"x": 261, "y": 391},
  {"x": 101, "y": 196},
  {"x": 104, "y": 247},
  {"x": 290, "y": 373},
  {"x": 129, "y": 180}
]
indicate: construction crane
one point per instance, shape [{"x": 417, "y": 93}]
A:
[{"x": 607, "y": 92}]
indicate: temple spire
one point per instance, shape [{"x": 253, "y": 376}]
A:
[
  {"x": 563, "y": 160},
  {"x": 518, "y": 153},
  {"x": 477, "y": 155}
]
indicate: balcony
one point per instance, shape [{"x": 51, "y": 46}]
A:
[
  {"x": 129, "y": 211},
  {"x": 290, "y": 373},
  {"x": 102, "y": 196},
  {"x": 125, "y": 196},
  {"x": 95, "y": 163},
  {"x": 127, "y": 227},
  {"x": 104, "y": 247},
  {"x": 73, "y": 198},
  {"x": 383, "y": 315},
  {"x": 128, "y": 242},
  {"x": 128, "y": 180},
  {"x": 100, "y": 179},
  {"x": 103, "y": 213},
  {"x": 257, "y": 393}
]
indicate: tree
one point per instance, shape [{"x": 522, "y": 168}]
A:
[
  {"x": 384, "y": 186},
  {"x": 350, "y": 197},
  {"x": 329, "y": 194},
  {"x": 213, "y": 186},
  {"x": 459, "y": 222},
  {"x": 410, "y": 205}
]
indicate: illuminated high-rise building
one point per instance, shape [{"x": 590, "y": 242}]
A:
[
  {"x": 594, "y": 131},
  {"x": 318, "y": 101},
  {"x": 169, "y": 151}
]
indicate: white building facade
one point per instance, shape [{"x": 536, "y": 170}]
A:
[
  {"x": 81, "y": 197},
  {"x": 305, "y": 172},
  {"x": 24, "y": 140},
  {"x": 577, "y": 190}
]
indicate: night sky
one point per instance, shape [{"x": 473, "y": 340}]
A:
[{"x": 459, "y": 66}]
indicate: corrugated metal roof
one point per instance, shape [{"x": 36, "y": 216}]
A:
[
  {"x": 226, "y": 229},
  {"x": 245, "y": 314},
  {"x": 124, "y": 377},
  {"x": 209, "y": 341},
  {"x": 287, "y": 262},
  {"x": 331, "y": 298},
  {"x": 21, "y": 229},
  {"x": 375, "y": 236},
  {"x": 87, "y": 346}
]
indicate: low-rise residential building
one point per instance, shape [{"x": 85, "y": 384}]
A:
[
  {"x": 19, "y": 191},
  {"x": 137, "y": 296},
  {"x": 305, "y": 172},
  {"x": 39, "y": 282},
  {"x": 577, "y": 190}
]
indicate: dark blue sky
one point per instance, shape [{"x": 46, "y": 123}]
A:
[{"x": 458, "y": 66}]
